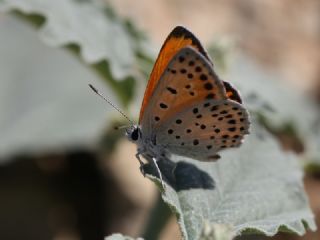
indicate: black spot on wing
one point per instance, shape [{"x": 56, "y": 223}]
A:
[
  {"x": 183, "y": 70},
  {"x": 208, "y": 86},
  {"x": 203, "y": 77},
  {"x": 198, "y": 69},
  {"x": 172, "y": 90},
  {"x": 162, "y": 105}
]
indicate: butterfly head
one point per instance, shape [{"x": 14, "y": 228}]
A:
[{"x": 133, "y": 133}]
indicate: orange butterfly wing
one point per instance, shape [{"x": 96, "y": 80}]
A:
[
  {"x": 188, "y": 78},
  {"x": 191, "y": 97},
  {"x": 177, "y": 39}
]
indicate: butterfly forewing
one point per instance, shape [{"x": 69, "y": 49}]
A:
[
  {"x": 179, "y": 38},
  {"x": 188, "y": 79},
  {"x": 203, "y": 129}
]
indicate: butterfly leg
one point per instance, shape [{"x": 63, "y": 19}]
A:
[
  {"x": 141, "y": 163},
  {"x": 158, "y": 170}
]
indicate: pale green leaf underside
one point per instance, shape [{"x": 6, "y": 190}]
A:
[
  {"x": 84, "y": 24},
  {"x": 216, "y": 232},
  {"x": 257, "y": 186}
]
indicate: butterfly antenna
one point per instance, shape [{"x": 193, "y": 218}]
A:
[{"x": 110, "y": 103}]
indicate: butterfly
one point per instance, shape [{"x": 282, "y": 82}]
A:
[{"x": 187, "y": 109}]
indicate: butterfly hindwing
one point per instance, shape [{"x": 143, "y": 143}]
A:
[
  {"x": 188, "y": 79},
  {"x": 203, "y": 129},
  {"x": 232, "y": 93}
]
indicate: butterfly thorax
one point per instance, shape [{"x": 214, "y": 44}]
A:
[{"x": 147, "y": 145}]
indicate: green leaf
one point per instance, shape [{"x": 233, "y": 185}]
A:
[
  {"x": 256, "y": 187},
  {"x": 46, "y": 104},
  {"x": 118, "y": 236}
]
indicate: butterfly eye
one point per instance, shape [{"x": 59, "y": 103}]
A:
[{"x": 135, "y": 134}]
